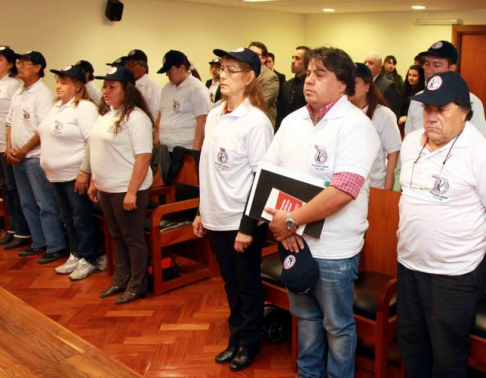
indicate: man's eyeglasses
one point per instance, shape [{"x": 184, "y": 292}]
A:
[
  {"x": 20, "y": 63},
  {"x": 230, "y": 71}
]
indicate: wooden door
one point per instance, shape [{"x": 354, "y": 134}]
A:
[{"x": 470, "y": 41}]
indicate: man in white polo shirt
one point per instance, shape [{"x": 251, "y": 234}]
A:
[
  {"x": 442, "y": 232},
  {"x": 335, "y": 141},
  {"x": 30, "y": 105}
]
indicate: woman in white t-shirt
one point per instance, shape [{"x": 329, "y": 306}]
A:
[
  {"x": 238, "y": 134},
  {"x": 63, "y": 135},
  {"x": 373, "y": 104},
  {"x": 120, "y": 152}
]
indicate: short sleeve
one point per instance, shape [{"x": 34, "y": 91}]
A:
[
  {"x": 140, "y": 132},
  {"x": 200, "y": 100}
]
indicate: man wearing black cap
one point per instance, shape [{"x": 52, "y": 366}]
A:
[
  {"x": 93, "y": 90},
  {"x": 442, "y": 57},
  {"x": 137, "y": 62},
  {"x": 213, "y": 84},
  {"x": 442, "y": 232},
  {"x": 30, "y": 105}
]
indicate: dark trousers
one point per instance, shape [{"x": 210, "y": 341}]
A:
[
  {"x": 243, "y": 285},
  {"x": 435, "y": 314},
  {"x": 127, "y": 231},
  {"x": 76, "y": 211},
  {"x": 17, "y": 223}
]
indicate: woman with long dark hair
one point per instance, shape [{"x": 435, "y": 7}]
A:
[
  {"x": 371, "y": 101},
  {"x": 120, "y": 153},
  {"x": 389, "y": 69},
  {"x": 238, "y": 134},
  {"x": 414, "y": 83}
]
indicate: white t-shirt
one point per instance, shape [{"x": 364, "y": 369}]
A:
[
  {"x": 179, "y": 107},
  {"x": 64, "y": 134},
  {"x": 28, "y": 109},
  {"x": 94, "y": 92},
  {"x": 442, "y": 226},
  {"x": 343, "y": 141},
  {"x": 233, "y": 146},
  {"x": 415, "y": 116},
  {"x": 213, "y": 88},
  {"x": 385, "y": 123},
  {"x": 151, "y": 92},
  {"x": 8, "y": 87},
  {"x": 112, "y": 156}
]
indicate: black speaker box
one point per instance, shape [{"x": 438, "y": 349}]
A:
[{"x": 114, "y": 10}]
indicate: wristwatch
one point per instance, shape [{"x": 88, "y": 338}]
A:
[{"x": 290, "y": 224}]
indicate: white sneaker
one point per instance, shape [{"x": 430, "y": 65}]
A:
[
  {"x": 83, "y": 270},
  {"x": 69, "y": 266}
]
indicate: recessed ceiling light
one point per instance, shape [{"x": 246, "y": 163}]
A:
[
  {"x": 329, "y": 10},
  {"x": 418, "y": 7}
]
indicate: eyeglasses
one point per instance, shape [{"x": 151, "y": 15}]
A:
[
  {"x": 230, "y": 71},
  {"x": 441, "y": 169},
  {"x": 20, "y": 63}
]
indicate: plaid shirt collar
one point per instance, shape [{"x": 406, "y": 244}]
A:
[{"x": 321, "y": 112}]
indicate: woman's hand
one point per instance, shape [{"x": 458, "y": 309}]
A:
[
  {"x": 93, "y": 192},
  {"x": 81, "y": 184},
  {"x": 242, "y": 242},
  {"x": 402, "y": 120},
  {"x": 130, "y": 201},
  {"x": 198, "y": 227}
]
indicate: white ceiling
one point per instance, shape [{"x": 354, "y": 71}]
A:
[{"x": 349, "y": 6}]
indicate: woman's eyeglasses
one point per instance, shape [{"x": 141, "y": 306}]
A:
[{"x": 230, "y": 71}]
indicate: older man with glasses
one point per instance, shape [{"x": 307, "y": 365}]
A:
[{"x": 442, "y": 232}]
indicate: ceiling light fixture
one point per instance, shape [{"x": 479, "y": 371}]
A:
[
  {"x": 418, "y": 7},
  {"x": 329, "y": 10}
]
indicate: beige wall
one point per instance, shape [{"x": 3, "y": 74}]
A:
[{"x": 386, "y": 33}]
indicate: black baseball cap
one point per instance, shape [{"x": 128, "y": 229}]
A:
[
  {"x": 172, "y": 58},
  {"x": 216, "y": 61},
  {"x": 118, "y": 62},
  {"x": 443, "y": 49},
  {"x": 85, "y": 66},
  {"x": 444, "y": 88},
  {"x": 34, "y": 56},
  {"x": 362, "y": 70},
  {"x": 300, "y": 271},
  {"x": 243, "y": 55},
  {"x": 137, "y": 55},
  {"x": 118, "y": 73},
  {"x": 75, "y": 72},
  {"x": 8, "y": 53}
]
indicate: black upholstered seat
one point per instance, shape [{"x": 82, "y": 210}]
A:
[
  {"x": 480, "y": 327},
  {"x": 367, "y": 289},
  {"x": 271, "y": 269}
]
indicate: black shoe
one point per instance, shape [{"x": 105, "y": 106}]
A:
[
  {"x": 16, "y": 242},
  {"x": 50, "y": 257},
  {"x": 226, "y": 355},
  {"x": 243, "y": 359},
  {"x": 7, "y": 238},
  {"x": 127, "y": 297},
  {"x": 32, "y": 251},
  {"x": 111, "y": 291}
]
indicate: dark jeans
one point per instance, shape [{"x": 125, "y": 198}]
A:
[
  {"x": 243, "y": 285},
  {"x": 435, "y": 314},
  {"x": 127, "y": 231},
  {"x": 17, "y": 223},
  {"x": 76, "y": 211}
]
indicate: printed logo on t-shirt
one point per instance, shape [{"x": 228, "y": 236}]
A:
[
  {"x": 176, "y": 105},
  {"x": 26, "y": 115},
  {"x": 289, "y": 262},
  {"x": 222, "y": 159},
  {"x": 320, "y": 162},
  {"x": 321, "y": 155},
  {"x": 441, "y": 189},
  {"x": 58, "y": 127}
]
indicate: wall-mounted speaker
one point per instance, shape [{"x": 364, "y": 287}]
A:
[{"x": 114, "y": 10}]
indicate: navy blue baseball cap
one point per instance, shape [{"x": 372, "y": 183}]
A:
[
  {"x": 34, "y": 56},
  {"x": 76, "y": 72},
  {"x": 443, "y": 49},
  {"x": 118, "y": 73},
  {"x": 444, "y": 88},
  {"x": 362, "y": 70},
  {"x": 172, "y": 58},
  {"x": 118, "y": 62},
  {"x": 137, "y": 55},
  {"x": 243, "y": 55},
  {"x": 8, "y": 53}
]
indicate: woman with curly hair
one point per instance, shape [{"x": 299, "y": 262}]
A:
[{"x": 120, "y": 153}]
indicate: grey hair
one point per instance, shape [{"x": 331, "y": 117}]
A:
[{"x": 376, "y": 56}]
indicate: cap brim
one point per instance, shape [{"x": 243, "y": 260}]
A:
[
  {"x": 432, "y": 99},
  {"x": 64, "y": 73},
  {"x": 221, "y": 53},
  {"x": 164, "y": 69},
  {"x": 104, "y": 78}
]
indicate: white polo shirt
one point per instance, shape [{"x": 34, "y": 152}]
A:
[
  {"x": 385, "y": 123},
  {"x": 28, "y": 109},
  {"x": 343, "y": 141},
  {"x": 233, "y": 146},
  {"x": 442, "y": 226},
  {"x": 151, "y": 92},
  {"x": 415, "y": 116},
  {"x": 8, "y": 87},
  {"x": 112, "y": 156},
  {"x": 179, "y": 107},
  {"x": 64, "y": 134},
  {"x": 94, "y": 92}
]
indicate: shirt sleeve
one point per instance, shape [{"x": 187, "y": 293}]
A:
[
  {"x": 154, "y": 100},
  {"x": 257, "y": 142},
  {"x": 350, "y": 183},
  {"x": 86, "y": 116},
  {"x": 388, "y": 130},
  {"x": 414, "y": 117},
  {"x": 200, "y": 100},
  {"x": 478, "y": 115},
  {"x": 43, "y": 105},
  {"x": 140, "y": 133}
]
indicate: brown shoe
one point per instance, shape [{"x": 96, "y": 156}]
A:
[
  {"x": 127, "y": 297},
  {"x": 111, "y": 291}
]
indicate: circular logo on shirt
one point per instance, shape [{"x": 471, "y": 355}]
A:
[
  {"x": 289, "y": 262},
  {"x": 321, "y": 155},
  {"x": 434, "y": 83},
  {"x": 67, "y": 68},
  {"x": 175, "y": 105},
  {"x": 222, "y": 156},
  {"x": 441, "y": 186},
  {"x": 238, "y": 50},
  {"x": 26, "y": 114},
  {"x": 57, "y": 129},
  {"x": 112, "y": 70},
  {"x": 437, "y": 45}
]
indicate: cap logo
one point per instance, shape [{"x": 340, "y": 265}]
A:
[
  {"x": 77, "y": 64},
  {"x": 239, "y": 49},
  {"x": 289, "y": 262},
  {"x": 2, "y": 48},
  {"x": 118, "y": 60},
  {"x": 28, "y": 52},
  {"x": 133, "y": 52},
  {"x": 215, "y": 60},
  {"x": 66, "y": 68},
  {"x": 163, "y": 61},
  {"x": 434, "y": 83},
  {"x": 112, "y": 70},
  {"x": 437, "y": 45}
]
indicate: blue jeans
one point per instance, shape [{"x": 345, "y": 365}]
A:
[
  {"x": 326, "y": 326},
  {"x": 39, "y": 206},
  {"x": 76, "y": 212}
]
